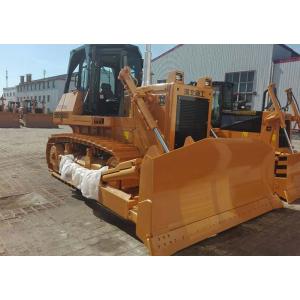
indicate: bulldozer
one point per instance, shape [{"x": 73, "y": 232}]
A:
[
  {"x": 33, "y": 115},
  {"x": 9, "y": 117},
  {"x": 272, "y": 125},
  {"x": 145, "y": 152}
]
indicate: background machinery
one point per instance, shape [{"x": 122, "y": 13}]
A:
[
  {"x": 144, "y": 152},
  {"x": 293, "y": 104},
  {"x": 271, "y": 125},
  {"x": 33, "y": 115},
  {"x": 9, "y": 118}
]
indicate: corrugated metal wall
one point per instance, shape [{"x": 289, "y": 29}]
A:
[
  {"x": 287, "y": 75},
  {"x": 216, "y": 60}
]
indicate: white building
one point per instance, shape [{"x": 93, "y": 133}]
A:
[
  {"x": 10, "y": 94},
  {"x": 46, "y": 90},
  {"x": 250, "y": 67}
]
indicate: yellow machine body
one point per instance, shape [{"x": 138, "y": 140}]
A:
[{"x": 165, "y": 173}]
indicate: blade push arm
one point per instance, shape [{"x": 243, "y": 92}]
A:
[{"x": 275, "y": 103}]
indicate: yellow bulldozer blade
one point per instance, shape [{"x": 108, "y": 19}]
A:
[
  {"x": 287, "y": 177},
  {"x": 201, "y": 189},
  {"x": 38, "y": 121}
]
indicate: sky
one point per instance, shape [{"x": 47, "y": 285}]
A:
[{"x": 34, "y": 59}]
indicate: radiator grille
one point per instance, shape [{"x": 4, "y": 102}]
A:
[{"x": 191, "y": 119}]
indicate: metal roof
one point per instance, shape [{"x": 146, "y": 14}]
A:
[{"x": 294, "y": 53}]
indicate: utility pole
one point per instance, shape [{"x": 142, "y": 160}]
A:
[{"x": 6, "y": 77}]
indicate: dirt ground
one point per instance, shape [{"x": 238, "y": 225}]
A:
[{"x": 39, "y": 215}]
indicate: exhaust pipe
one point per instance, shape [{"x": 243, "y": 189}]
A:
[{"x": 147, "y": 66}]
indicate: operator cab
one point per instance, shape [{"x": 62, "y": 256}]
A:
[
  {"x": 222, "y": 101},
  {"x": 94, "y": 69},
  {"x": 227, "y": 113}
]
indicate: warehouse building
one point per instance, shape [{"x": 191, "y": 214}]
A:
[
  {"x": 46, "y": 90},
  {"x": 286, "y": 75},
  {"x": 250, "y": 67}
]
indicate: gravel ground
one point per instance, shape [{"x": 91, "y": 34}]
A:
[{"x": 41, "y": 216}]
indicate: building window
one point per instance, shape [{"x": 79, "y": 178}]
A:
[
  {"x": 43, "y": 85},
  {"x": 48, "y": 98},
  {"x": 40, "y": 98},
  {"x": 161, "y": 81},
  {"x": 48, "y": 84},
  {"x": 44, "y": 99},
  {"x": 53, "y": 84},
  {"x": 243, "y": 84}
]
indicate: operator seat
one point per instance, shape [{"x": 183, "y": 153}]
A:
[
  {"x": 109, "y": 108},
  {"x": 106, "y": 91}
]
